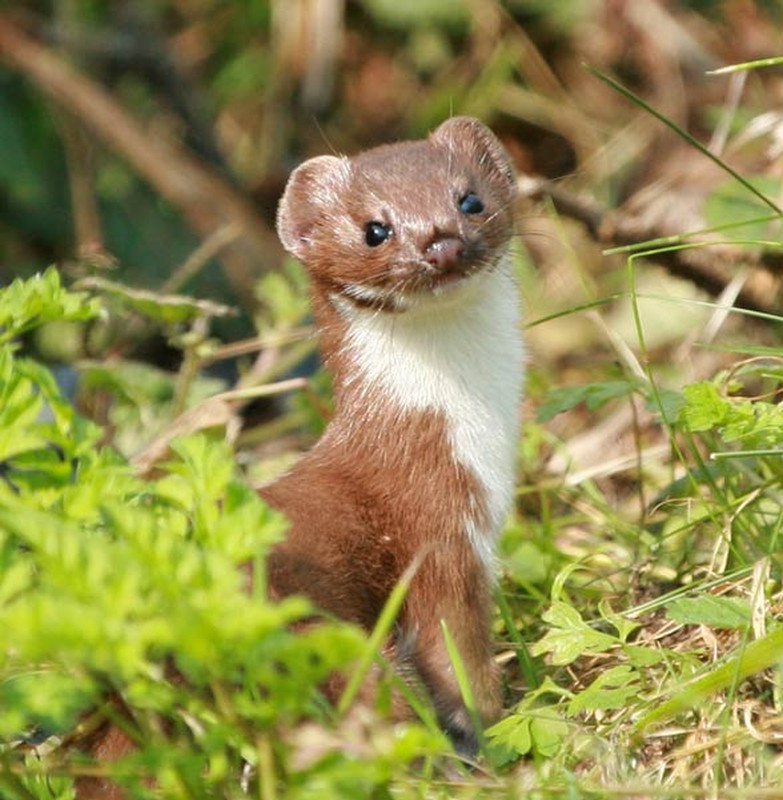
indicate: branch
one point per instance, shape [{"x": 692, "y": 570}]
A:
[
  {"x": 708, "y": 268},
  {"x": 205, "y": 200},
  {"x": 134, "y": 46}
]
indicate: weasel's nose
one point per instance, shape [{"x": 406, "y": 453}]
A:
[{"x": 445, "y": 255}]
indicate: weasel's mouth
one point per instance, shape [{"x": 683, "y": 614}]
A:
[
  {"x": 439, "y": 281},
  {"x": 398, "y": 296},
  {"x": 444, "y": 280}
]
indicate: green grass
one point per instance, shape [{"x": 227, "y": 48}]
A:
[{"x": 637, "y": 619}]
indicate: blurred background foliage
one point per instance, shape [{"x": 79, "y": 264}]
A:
[
  {"x": 249, "y": 88},
  {"x": 146, "y": 144}
]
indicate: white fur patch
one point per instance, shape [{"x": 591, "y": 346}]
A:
[
  {"x": 370, "y": 294},
  {"x": 459, "y": 353}
]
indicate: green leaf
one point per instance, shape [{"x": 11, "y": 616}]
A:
[
  {"x": 731, "y": 203},
  {"x": 641, "y": 657},
  {"x": 20, "y": 406},
  {"x": 283, "y": 298},
  {"x": 540, "y": 730},
  {"x": 72, "y": 433},
  {"x": 593, "y": 395},
  {"x": 614, "y": 688},
  {"x": 704, "y": 407},
  {"x": 756, "y": 424},
  {"x": 25, "y": 305},
  {"x": 41, "y": 697},
  {"x": 717, "y": 612},
  {"x": 527, "y": 563},
  {"x": 509, "y": 739},
  {"x": 548, "y": 731},
  {"x": 624, "y": 626},
  {"x": 16, "y": 578},
  {"x": 665, "y": 402},
  {"x": 570, "y": 636}
]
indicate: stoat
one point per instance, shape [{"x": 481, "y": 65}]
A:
[{"x": 406, "y": 247}]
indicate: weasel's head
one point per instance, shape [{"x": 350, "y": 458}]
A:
[{"x": 398, "y": 224}]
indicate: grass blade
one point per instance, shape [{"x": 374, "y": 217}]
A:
[
  {"x": 379, "y": 633},
  {"x": 634, "y": 98},
  {"x": 463, "y": 682},
  {"x": 755, "y": 657},
  {"x": 524, "y": 658}
]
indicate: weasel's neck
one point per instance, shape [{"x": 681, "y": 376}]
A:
[{"x": 458, "y": 355}]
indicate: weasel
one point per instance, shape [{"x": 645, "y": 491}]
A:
[{"x": 406, "y": 247}]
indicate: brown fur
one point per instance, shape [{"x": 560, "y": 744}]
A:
[
  {"x": 107, "y": 743},
  {"x": 357, "y": 523}
]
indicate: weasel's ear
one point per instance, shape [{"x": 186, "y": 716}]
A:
[
  {"x": 312, "y": 192},
  {"x": 475, "y": 140}
]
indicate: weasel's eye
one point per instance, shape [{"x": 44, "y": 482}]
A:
[
  {"x": 376, "y": 233},
  {"x": 471, "y": 204}
]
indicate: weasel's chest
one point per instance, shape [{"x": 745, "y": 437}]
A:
[{"x": 462, "y": 361}]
